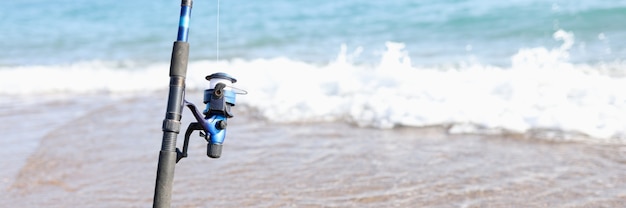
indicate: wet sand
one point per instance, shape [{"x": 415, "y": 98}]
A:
[{"x": 98, "y": 151}]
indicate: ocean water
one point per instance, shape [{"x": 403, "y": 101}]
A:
[
  {"x": 398, "y": 103},
  {"x": 553, "y": 67}
]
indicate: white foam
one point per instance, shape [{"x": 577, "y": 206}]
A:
[
  {"x": 84, "y": 77},
  {"x": 541, "y": 90}
]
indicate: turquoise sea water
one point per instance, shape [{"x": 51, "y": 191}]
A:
[
  {"x": 539, "y": 67},
  {"x": 435, "y": 32}
]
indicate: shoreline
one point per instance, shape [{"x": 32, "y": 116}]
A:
[{"x": 309, "y": 165}]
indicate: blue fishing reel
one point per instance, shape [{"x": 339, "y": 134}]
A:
[{"x": 212, "y": 122}]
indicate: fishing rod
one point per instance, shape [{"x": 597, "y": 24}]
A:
[{"x": 212, "y": 122}]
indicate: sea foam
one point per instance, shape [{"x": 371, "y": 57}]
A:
[{"x": 541, "y": 93}]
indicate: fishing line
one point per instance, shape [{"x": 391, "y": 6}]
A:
[{"x": 217, "y": 58}]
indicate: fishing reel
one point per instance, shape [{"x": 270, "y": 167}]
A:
[{"x": 212, "y": 122}]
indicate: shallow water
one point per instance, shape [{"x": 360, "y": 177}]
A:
[{"x": 104, "y": 154}]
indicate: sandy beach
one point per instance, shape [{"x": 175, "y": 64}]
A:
[{"x": 101, "y": 151}]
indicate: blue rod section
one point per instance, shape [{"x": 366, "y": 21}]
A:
[{"x": 183, "y": 24}]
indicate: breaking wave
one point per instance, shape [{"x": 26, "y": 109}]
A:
[{"x": 541, "y": 92}]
